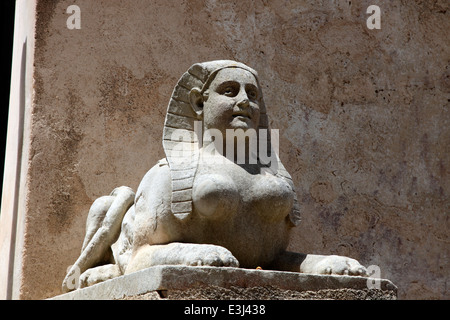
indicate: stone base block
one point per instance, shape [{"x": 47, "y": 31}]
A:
[{"x": 214, "y": 283}]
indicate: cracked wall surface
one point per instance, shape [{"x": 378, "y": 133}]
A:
[{"x": 363, "y": 118}]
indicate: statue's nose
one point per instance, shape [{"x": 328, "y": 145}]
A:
[{"x": 243, "y": 103}]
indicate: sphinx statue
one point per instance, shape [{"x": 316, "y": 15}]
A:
[{"x": 205, "y": 203}]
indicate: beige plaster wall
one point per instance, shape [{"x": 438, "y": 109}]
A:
[
  {"x": 15, "y": 190},
  {"x": 363, "y": 119}
]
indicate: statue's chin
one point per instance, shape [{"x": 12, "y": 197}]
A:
[{"x": 241, "y": 122}]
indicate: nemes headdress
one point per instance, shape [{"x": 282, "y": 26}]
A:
[{"x": 179, "y": 135}]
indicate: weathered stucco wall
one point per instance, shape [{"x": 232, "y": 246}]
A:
[{"x": 363, "y": 119}]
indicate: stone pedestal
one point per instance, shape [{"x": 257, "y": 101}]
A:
[{"x": 214, "y": 283}]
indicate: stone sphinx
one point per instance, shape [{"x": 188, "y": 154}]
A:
[{"x": 204, "y": 206}]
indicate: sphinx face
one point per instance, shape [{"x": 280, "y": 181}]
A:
[{"x": 233, "y": 101}]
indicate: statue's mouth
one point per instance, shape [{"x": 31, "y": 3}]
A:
[{"x": 241, "y": 114}]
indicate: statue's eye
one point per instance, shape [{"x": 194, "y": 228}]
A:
[
  {"x": 252, "y": 94},
  {"x": 228, "y": 90}
]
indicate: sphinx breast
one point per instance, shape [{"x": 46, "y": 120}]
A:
[
  {"x": 265, "y": 196},
  {"x": 215, "y": 196},
  {"x": 272, "y": 198}
]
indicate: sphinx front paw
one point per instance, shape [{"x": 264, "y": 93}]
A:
[
  {"x": 337, "y": 265},
  {"x": 99, "y": 274},
  {"x": 209, "y": 255}
]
